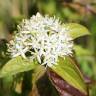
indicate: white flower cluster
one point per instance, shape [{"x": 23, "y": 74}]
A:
[{"x": 44, "y": 37}]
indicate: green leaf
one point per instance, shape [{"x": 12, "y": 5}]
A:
[
  {"x": 38, "y": 73},
  {"x": 17, "y": 65},
  {"x": 80, "y": 51},
  {"x": 76, "y": 30},
  {"x": 67, "y": 69}
]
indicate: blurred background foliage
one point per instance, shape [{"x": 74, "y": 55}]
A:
[{"x": 78, "y": 11}]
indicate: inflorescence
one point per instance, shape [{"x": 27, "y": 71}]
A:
[{"x": 44, "y": 37}]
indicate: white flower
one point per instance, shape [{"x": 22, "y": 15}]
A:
[{"x": 44, "y": 38}]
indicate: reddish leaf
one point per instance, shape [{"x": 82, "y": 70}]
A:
[{"x": 62, "y": 86}]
